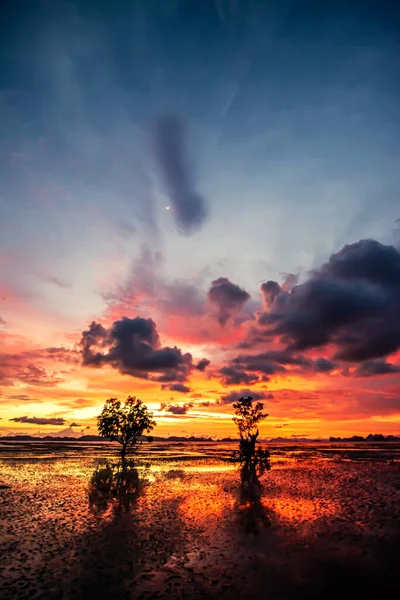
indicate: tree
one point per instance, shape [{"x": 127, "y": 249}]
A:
[
  {"x": 247, "y": 419},
  {"x": 125, "y": 423}
]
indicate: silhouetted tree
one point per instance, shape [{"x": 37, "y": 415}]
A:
[
  {"x": 125, "y": 423},
  {"x": 248, "y": 416}
]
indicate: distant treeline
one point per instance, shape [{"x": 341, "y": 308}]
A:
[
  {"x": 97, "y": 438},
  {"x": 372, "y": 437},
  {"x": 376, "y": 437}
]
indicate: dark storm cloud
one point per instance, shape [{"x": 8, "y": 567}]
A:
[
  {"x": 244, "y": 393},
  {"x": 133, "y": 347},
  {"x": 228, "y": 297},
  {"x": 260, "y": 363},
  {"x": 369, "y": 368},
  {"x": 176, "y": 387},
  {"x": 39, "y": 420},
  {"x": 269, "y": 291},
  {"x": 323, "y": 365},
  {"x": 188, "y": 206},
  {"x": 245, "y": 368},
  {"x": 232, "y": 376},
  {"x": 202, "y": 364},
  {"x": 366, "y": 260},
  {"x": 352, "y": 301},
  {"x": 176, "y": 409}
]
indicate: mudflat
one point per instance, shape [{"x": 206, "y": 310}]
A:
[{"x": 324, "y": 522}]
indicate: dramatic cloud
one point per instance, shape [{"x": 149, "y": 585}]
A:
[
  {"x": 182, "y": 310},
  {"x": 232, "y": 376},
  {"x": 260, "y": 363},
  {"x": 133, "y": 347},
  {"x": 176, "y": 387},
  {"x": 202, "y": 364},
  {"x": 176, "y": 409},
  {"x": 370, "y": 368},
  {"x": 188, "y": 207},
  {"x": 352, "y": 301},
  {"x": 228, "y": 297},
  {"x": 250, "y": 368},
  {"x": 323, "y": 365},
  {"x": 75, "y": 425},
  {"x": 244, "y": 393},
  {"x": 39, "y": 420},
  {"x": 269, "y": 291}
]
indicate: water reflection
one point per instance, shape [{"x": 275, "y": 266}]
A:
[
  {"x": 115, "y": 485},
  {"x": 198, "y": 529},
  {"x": 252, "y": 513},
  {"x": 136, "y": 537}
]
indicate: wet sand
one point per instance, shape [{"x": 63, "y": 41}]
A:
[{"x": 325, "y": 523}]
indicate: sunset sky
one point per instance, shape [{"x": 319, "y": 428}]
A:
[{"x": 200, "y": 200}]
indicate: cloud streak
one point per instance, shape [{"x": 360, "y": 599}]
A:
[
  {"x": 189, "y": 207},
  {"x": 39, "y": 420},
  {"x": 176, "y": 387},
  {"x": 176, "y": 409}
]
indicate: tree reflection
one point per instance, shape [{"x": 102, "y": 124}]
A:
[
  {"x": 252, "y": 512},
  {"x": 135, "y": 532},
  {"x": 115, "y": 485}
]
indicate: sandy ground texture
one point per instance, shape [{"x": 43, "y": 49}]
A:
[{"x": 181, "y": 523}]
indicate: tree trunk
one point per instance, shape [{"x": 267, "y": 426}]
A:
[{"x": 123, "y": 451}]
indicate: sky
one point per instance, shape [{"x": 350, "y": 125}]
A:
[{"x": 199, "y": 201}]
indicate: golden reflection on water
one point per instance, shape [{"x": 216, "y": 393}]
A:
[
  {"x": 205, "y": 503},
  {"x": 197, "y": 521},
  {"x": 199, "y": 467},
  {"x": 300, "y": 509}
]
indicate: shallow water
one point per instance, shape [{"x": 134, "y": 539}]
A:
[{"x": 325, "y": 522}]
